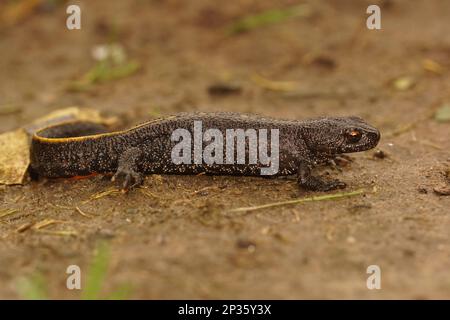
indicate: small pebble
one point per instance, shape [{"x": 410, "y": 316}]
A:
[
  {"x": 351, "y": 239},
  {"x": 132, "y": 211},
  {"x": 246, "y": 244},
  {"x": 422, "y": 190},
  {"x": 442, "y": 190},
  {"x": 106, "y": 233},
  {"x": 379, "y": 154},
  {"x": 222, "y": 89}
]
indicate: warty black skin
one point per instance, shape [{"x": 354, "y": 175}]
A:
[{"x": 82, "y": 148}]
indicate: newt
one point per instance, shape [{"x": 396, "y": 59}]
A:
[{"x": 82, "y": 148}]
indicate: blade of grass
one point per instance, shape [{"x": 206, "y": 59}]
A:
[
  {"x": 32, "y": 287},
  {"x": 268, "y": 17},
  {"x": 121, "y": 293},
  {"x": 97, "y": 273},
  {"x": 302, "y": 200},
  {"x": 105, "y": 71}
]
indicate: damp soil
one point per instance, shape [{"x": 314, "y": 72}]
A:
[{"x": 176, "y": 237}]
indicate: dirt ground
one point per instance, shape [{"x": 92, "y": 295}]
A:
[{"x": 176, "y": 237}]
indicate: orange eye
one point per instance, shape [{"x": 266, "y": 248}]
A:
[{"x": 354, "y": 136}]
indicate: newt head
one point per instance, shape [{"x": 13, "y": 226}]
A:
[{"x": 340, "y": 135}]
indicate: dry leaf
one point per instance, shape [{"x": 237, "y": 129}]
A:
[
  {"x": 404, "y": 83},
  {"x": 432, "y": 66}
]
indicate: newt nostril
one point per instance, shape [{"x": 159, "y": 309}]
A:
[{"x": 375, "y": 136}]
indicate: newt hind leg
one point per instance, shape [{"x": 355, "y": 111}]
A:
[
  {"x": 128, "y": 170},
  {"x": 310, "y": 182}
]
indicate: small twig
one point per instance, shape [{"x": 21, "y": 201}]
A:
[
  {"x": 7, "y": 212},
  {"x": 24, "y": 227},
  {"x": 148, "y": 193},
  {"x": 409, "y": 126},
  {"x": 203, "y": 189},
  {"x": 59, "y": 232},
  {"x": 297, "y": 201},
  {"x": 402, "y": 129},
  {"x": 83, "y": 213},
  {"x": 61, "y": 206},
  {"x": 76, "y": 208},
  {"x": 102, "y": 194},
  {"x": 265, "y": 83},
  {"x": 429, "y": 144},
  {"x": 45, "y": 223}
]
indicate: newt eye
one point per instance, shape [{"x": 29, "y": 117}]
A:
[{"x": 354, "y": 135}]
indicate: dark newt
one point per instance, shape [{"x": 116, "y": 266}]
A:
[{"x": 82, "y": 148}]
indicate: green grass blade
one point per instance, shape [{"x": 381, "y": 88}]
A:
[
  {"x": 32, "y": 287},
  {"x": 97, "y": 273},
  {"x": 268, "y": 17}
]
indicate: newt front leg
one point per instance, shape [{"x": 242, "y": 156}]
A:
[
  {"x": 310, "y": 182},
  {"x": 128, "y": 168}
]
